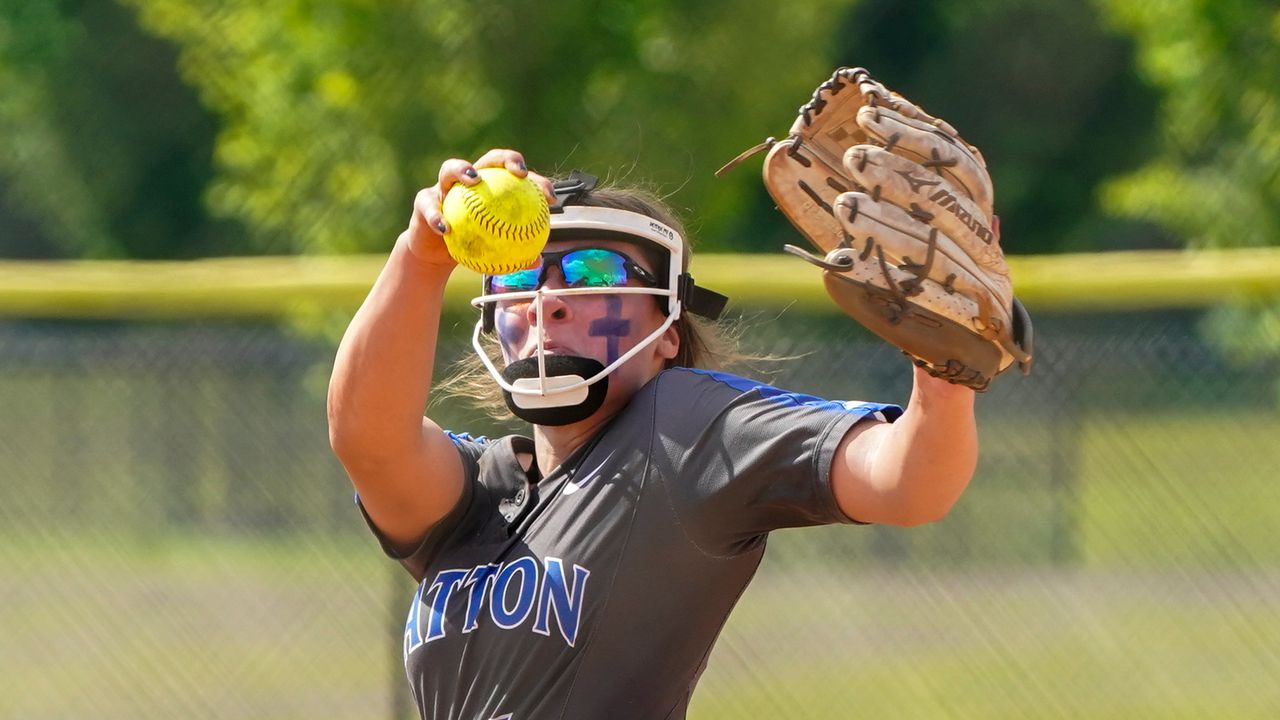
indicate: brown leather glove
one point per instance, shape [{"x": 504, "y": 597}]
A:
[{"x": 901, "y": 209}]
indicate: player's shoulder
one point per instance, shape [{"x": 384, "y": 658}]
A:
[
  {"x": 700, "y": 382},
  {"x": 493, "y": 467},
  {"x": 484, "y": 451},
  {"x": 702, "y": 387},
  {"x": 698, "y": 387},
  {"x": 684, "y": 378},
  {"x": 466, "y": 438},
  {"x": 471, "y": 447}
]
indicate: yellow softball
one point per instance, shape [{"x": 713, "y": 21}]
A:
[{"x": 498, "y": 225}]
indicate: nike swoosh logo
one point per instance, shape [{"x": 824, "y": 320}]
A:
[{"x": 575, "y": 485}]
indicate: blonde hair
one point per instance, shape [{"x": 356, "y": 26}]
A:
[{"x": 703, "y": 344}]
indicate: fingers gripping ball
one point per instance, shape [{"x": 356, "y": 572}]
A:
[{"x": 498, "y": 225}]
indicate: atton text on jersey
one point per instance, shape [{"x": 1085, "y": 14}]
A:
[{"x": 506, "y": 594}]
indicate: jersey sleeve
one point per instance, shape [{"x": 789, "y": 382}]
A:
[
  {"x": 470, "y": 449},
  {"x": 747, "y": 458}
]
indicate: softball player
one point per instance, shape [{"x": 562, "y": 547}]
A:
[{"x": 584, "y": 571}]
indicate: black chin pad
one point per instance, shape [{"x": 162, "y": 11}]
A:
[{"x": 557, "y": 365}]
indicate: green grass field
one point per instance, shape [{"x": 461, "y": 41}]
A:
[
  {"x": 102, "y": 626},
  {"x": 1166, "y": 607},
  {"x": 1003, "y": 644},
  {"x": 228, "y": 629}
]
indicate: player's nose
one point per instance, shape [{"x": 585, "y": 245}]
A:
[{"x": 554, "y": 307}]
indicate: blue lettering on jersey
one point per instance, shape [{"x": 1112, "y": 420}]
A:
[
  {"x": 558, "y": 597},
  {"x": 513, "y": 591},
  {"x": 480, "y": 581},
  {"x": 527, "y": 569},
  {"x": 412, "y": 628},
  {"x": 446, "y": 582}
]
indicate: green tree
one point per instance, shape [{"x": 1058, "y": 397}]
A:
[
  {"x": 1216, "y": 179},
  {"x": 334, "y": 113},
  {"x": 1049, "y": 95},
  {"x": 103, "y": 150},
  {"x": 35, "y": 40}
]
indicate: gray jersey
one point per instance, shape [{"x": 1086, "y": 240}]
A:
[{"x": 599, "y": 590}]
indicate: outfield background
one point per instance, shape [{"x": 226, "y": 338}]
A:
[
  {"x": 177, "y": 540},
  {"x": 196, "y": 194}
]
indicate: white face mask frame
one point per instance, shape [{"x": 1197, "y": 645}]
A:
[{"x": 603, "y": 223}]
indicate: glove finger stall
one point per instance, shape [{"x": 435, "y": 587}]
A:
[
  {"x": 805, "y": 188},
  {"x": 927, "y": 254},
  {"x": 828, "y": 123},
  {"x": 929, "y": 197},
  {"x": 932, "y": 148}
]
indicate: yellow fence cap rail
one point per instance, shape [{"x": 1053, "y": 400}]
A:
[{"x": 265, "y": 287}]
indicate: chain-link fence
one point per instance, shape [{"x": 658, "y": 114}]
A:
[{"x": 176, "y": 539}]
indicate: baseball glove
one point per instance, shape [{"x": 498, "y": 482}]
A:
[{"x": 901, "y": 209}]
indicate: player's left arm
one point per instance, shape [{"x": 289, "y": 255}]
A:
[{"x": 911, "y": 471}]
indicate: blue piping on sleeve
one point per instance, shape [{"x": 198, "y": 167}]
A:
[
  {"x": 880, "y": 411},
  {"x": 459, "y": 438}
]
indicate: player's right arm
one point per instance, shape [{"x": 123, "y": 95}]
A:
[{"x": 404, "y": 467}]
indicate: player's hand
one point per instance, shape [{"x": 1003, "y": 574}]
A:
[{"x": 425, "y": 235}]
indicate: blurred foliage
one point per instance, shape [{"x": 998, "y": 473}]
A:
[
  {"x": 335, "y": 113},
  {"x": 104, "y": 151},
  {"x": 1047, "y": 93},
  {"x": 35, "y": 40},
  {"x": 1216, "y": 179},
  {"x": 1219, "y": 125},
  {"x": 178, "y": 128}
]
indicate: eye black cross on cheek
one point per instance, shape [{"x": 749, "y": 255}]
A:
[{"x": 612, "y": 327}]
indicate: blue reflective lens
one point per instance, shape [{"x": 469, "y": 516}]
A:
[
  {"x": 518, "y": 281},
  {"x": 594, "y": 268},
  {"x": 583, "y": 267}
]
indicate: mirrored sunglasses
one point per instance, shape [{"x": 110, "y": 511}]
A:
[{"x": 580, "y": 267}]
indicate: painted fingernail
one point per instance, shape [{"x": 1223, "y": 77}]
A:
[
  {"x": 440, "y": 226},
  {"x": 522, "y": 166},
  {"x": 471, "y": 173}
]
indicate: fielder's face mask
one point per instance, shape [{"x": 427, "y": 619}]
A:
[{"x": 562, "y": 389}]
